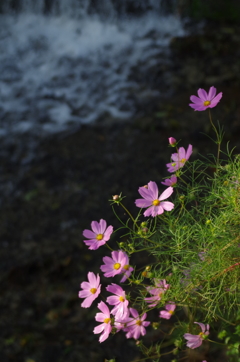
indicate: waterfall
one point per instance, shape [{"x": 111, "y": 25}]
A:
[
  {"x": 82, "y": 7},
  {"x": 64, "y": 63}
]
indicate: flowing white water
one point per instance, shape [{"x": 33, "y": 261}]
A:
[{"x": 71, "y": 67}]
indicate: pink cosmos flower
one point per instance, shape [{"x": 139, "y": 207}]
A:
[
  {"x": 155, "y": 203},
  {"x": 161, "y": 287},
  {"x": 126, "y": 270},
  {"x": 91, "y": 290},
  {"x": 114, "y": 265},
  {"x": 179, "y": 159},
  {"x": 170, "y": 308},
  {"x": 170, "y": 181},
  {"x": 205, "y": 100},
  {"x": 99, "y": 235},
  {"x": 194, "y": 341},
  {"x": 172, "y": 141},
  {"x": 105, "y": 327},
  {"x": 120, "y": 311},
  {"x": 135, "y": 326}
]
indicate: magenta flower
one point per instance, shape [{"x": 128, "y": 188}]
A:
[
  {"x": 161, "y": 287},
  {"x": 172, "y": 141},
  {"x": 120, "y": 311},
  {"x": 91, "y": 290},
  {"x": 170, "y": 308},
  {"x": 135, "y": 326},
  {"x": 194, "y": 341},
  {"x": 104, "y": 317},
  {"x": 99, "y": 235},
  {"x": 155, "y": 203},
  {"x": 179, "y": 159},
  {"x": 170, "y": 181},
  {"x": 205, "y": 100},
  {"x": 114, "y": 265}
]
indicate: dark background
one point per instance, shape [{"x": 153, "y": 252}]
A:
[{"x": 52, "y": 198}]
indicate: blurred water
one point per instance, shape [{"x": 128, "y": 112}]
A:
[{"x": 65, "y": 63}]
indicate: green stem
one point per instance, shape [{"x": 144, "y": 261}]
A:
[
  {"x": 128, "y": 212},
  {"x": 217, "y": 135}
]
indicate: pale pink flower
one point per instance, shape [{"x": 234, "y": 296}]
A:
[
  {"x": 135, "y": 327},
  {"x": 205, "y": 100},
  {"x": 120, "y": 311},
  {"x": 155, "y": 203},
  {"x": 172, "y": 141},
  {"x": 115, "y": 264},
  {"x": 194, "y": 341},
  {"x": 170, "y": 181},
  {"x": 126, "y": 270},
  {"x": 160, "y": 287},
  {"x": 170, "y": 308},
  {"x": 104, "y": 317},
  {"x": 99, "y": 235},
  {"x": 179, "y": 159},
  {"x": 91, "y": 290}
]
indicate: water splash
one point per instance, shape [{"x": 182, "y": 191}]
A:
[{"x": 72, "y": 67}]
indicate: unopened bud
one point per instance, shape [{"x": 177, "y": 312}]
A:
[
  {"x": 145, "y": 230},
  {"x": 143, "y": 224},
  {"x": 148, "y": 268},
  {"x": 115, "y": 197},
  {"x": 155, "y": 325},
  {"x": 172, "y": 141}
]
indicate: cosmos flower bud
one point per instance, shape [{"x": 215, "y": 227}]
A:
[{"x": 172, "y": 141}]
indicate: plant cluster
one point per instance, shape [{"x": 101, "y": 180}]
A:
[{"x": 194, "y": 244}]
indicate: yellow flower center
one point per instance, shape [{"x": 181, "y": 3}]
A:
[
  {"x": 206, "y": 103},
  {"x": 121, "y": 299},
  {"x": 174, "y": 164},
  {"x": 106, "y": 320},
  {"x": 117, "y": 266},
  {"x": 138, "y": 322},
  {"x": 170, "y": 311},
  {"x": 99, "y": 237},
  {"x": 156, "y": 202},
  {"x": 93, "y": 290},
  {"x": 126, "y": 267},
  {"x": 160, "y": 294},
  {"x": 183, "y": 160}
]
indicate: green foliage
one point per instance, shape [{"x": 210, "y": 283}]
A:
[
  {"x": 220, "y": 10},
  {"x": 196, "y": 249}
]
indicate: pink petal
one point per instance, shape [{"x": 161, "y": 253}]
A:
[
  {"x": 167, "y": 205},
  {"x": 211, "y": 93},
  {"x": 108, "y": 233},
  {"x": 84, "y": 293},
  {"x": 134, "y": 312},
  {"x": 143, "y": 203},
  {"x": 89, "y": 234},
  {"x": 152, "y": 187},
  {"x": 175, "y": 157},
  {"x": 215, "y": 101},
  {"x": 201, "y": 325},
  {"x": 88, "y": 301},
  {"x": 99, "y": 329},
  {"x": 150, "y": 212},
  {"x": 95, "y": 227},
  {"x": 189, "y": 152},
  {"x": 102, "y": 226},
  {"x": 106, "y": 333},
  {"x": 168, "y": 192},
  {"x": 92, "y": 279},
  {"x": 202, "y": 94},
  {"x": 196, "y": 100},
  {"x": 104, "y": 308},
  {"x": 197, "y": 107},
  {"x": 145, "y": 193}
]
